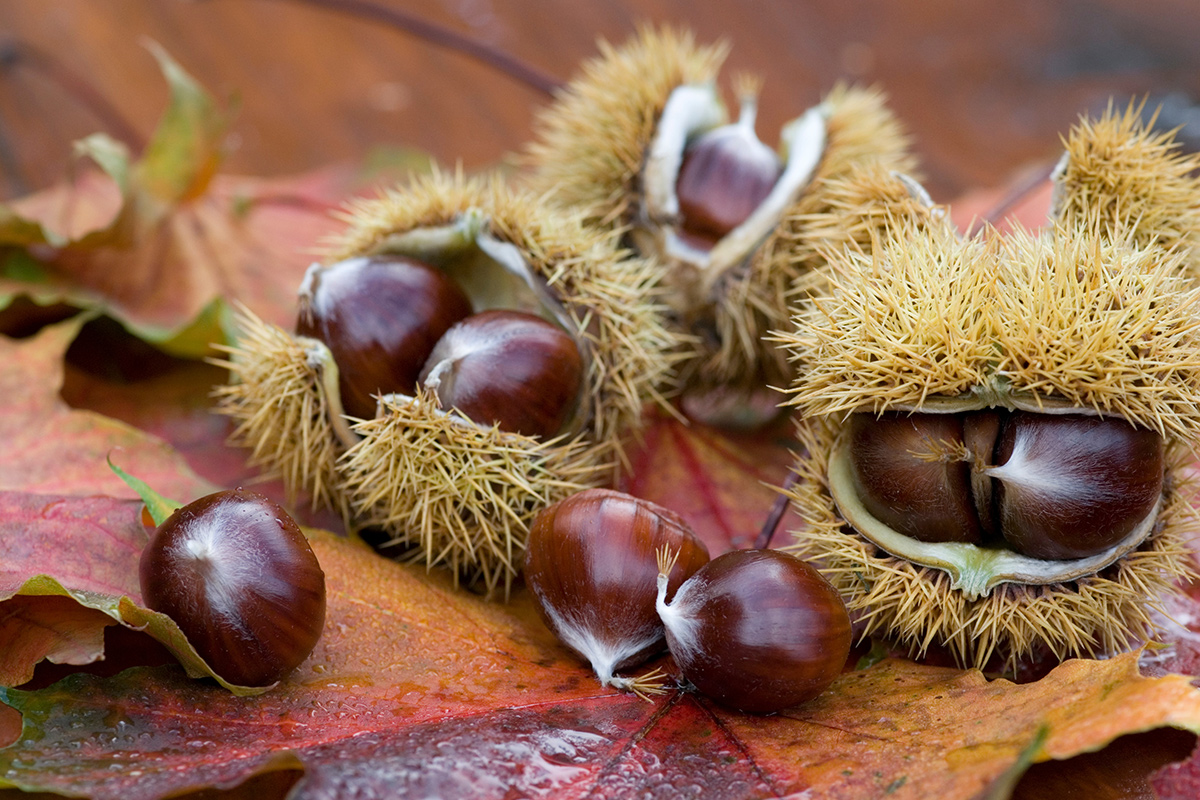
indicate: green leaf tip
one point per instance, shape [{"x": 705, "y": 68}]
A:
[{"x": 159, "y": 507}]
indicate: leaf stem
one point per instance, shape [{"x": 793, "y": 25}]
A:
[
  {"x": 777, "y": 511},
  {"x": 1013, "y": 198}
]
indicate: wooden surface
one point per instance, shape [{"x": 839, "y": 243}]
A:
[{"x": 985, "y": 87}]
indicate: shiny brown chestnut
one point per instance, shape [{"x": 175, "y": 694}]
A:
[
  {"x": 592, "y": 566},
  {"x": 757, "y": 630},
  {"x": 508, "y": 368},
  {"x": 912, "y": 475},
  {"x": 1071, "y": 486},
  {"x": 380, "y": 317},
  {"x": 237, "y": 575},
  {"x": 1052, "y": 486},
  {"x": 725, "y": 175}
]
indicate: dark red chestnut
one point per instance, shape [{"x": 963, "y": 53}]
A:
[
  {"x": 237, "y": 575},
  {"x": 592, "y": 566},
  {"x": 911, "y": 473},
  {"x": 508, "y": 368},
  {"x": 1070, "y": 486},
  {"x": 380, "y": 317},
  {"x": 757, "y": 630},
  {"x": 725, "y": 175}
]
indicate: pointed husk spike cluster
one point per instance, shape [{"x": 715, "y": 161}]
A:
[
  {"x": 1094, "y": 318},
  {"x": 1123, "y": 179},
  {"x": 455, "y": 492},
  {"x": 614, "y": 145}
]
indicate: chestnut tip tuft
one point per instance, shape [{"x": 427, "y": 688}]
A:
[{"x": 757, "y": 630}]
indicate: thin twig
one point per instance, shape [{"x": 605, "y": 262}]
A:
[
  {"x": 444, "y": 37},
  {"x": 1022, "y": 191},
  {"x": 18, "y": 53},
  {"x": 777, "y": 511}
]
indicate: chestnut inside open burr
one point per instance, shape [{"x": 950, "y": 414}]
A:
[
  {"x": 1049, "y": 486},
  {"x": 724, "y": 176}
]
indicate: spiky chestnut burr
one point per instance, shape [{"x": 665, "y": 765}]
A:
[
  {"x": 1127, "y": 182},
  {"x": 238, "y": 577},
  {"x": 449, "y": 490},
  {"x": 592, "y": 566},
  {"x": 1084, "y": 350},
  {"x": 620, "y": 143},
  {"x": 755, "y": 630},
  {"x": 380, "y": 317}
]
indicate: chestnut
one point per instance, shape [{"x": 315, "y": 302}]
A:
[
  {"x": 1070, "y": 486},
  {"x": 591, "y": 564},
  {"x": 1053, "y": 486},
  {"x": 911, "y": 472},
  {"x": 725, "y": 175},
  {"x": 507, "y": 368},
  {"x": 380, "y": 317},
  {"x": 756, "y": 630},
  {"x": 237, "y": 575}
]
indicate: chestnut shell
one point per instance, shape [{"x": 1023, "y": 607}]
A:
[
  {"x": 758, "y": 631},
  {"x": 238, "y": 576},
  {"x": 1071, "y": 486},
  {"x": 723, "y": 177},
  {"x": 508, "y": 368},
  {"x": 591, "y": 562},
  {"x": 380, "y": 317},
  {"x": 926, "y": 499}
]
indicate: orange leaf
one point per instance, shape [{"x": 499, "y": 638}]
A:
[
  {"x": 418, "y": 687},
  {"x": 51, "y": 448},
  {"x": 162, "y": 244}
]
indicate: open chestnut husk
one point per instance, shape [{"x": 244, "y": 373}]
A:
[
  {"x": 756, "y": 630},
  {"x": 641, "y": 141},
  {"x": 592, "y": 565},
  {"x": 1006, "y": 474},
  {"x": 237, "y": 575},
  {"x": 455, "y": 466}
]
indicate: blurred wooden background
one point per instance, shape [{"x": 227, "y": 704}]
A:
[{"x": 985, "y": 87}]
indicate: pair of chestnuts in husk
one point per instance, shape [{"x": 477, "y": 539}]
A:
[
  {"x": 468, "y": 355},
  {"x": 237, "y": 575},
  {"x": 617, "y": 578},
  {"x": 1049, "y": 486},
  {"x": 393, "y": 324}
]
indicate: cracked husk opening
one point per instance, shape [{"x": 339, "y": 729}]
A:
[{"x": 918, "y": 607}]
